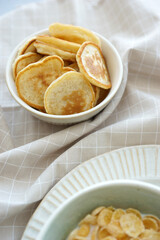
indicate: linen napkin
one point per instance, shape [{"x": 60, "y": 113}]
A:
[{"x": 35, "y": 155}]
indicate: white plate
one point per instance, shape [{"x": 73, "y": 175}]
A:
[{"x": 139, "y": 162}]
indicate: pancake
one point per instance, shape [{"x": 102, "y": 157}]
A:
[
  {"x": 34, "y": 79},
  {"x": 92, "y": 64},
  {"x": 67, "y": 69},
  {"x": 74, "y": 65},
  {"x": 97, "y": 94},
  {"x": 71, "y": 93},
  {"x": 59, "y": 43},
  {"x": 24, "y": 60},
  {"x": 72, "y": 33},
  {"x": 28, "y": 46},
  {"x": 47, "y": 49}
]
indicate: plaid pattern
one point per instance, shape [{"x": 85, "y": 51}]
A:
[{"x": 34, "y": 155}]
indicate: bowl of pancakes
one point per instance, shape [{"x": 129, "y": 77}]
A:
[{"x": 64, "y": 74}]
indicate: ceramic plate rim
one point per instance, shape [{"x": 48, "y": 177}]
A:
[{"x": 28, "y": 234}]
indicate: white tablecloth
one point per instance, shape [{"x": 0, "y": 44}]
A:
[{"x": 34, "y": 155}]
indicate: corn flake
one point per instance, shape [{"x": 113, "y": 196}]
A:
[
  {"x": 117, "y": 214},
  {"x": 150, "y": 223},
  {"x": 104, "y": 217},
  {"x": 96, "y": 211},
  {"x": 135, "y": 211},
  {"x": 90, "y": 219},
  {"x": 84, "y": 230},
  {"x": 155, "y": 218},
  {"x": 115, "y": 229},
  {"x": 131, "y": 225},
  {"x": 103, "y": 233}
]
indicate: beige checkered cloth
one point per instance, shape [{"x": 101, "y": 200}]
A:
[{"x": 34, "y": 155}]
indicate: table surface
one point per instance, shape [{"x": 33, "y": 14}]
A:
[{"x": 8, "y": 5}]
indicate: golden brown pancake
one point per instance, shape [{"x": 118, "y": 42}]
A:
[
  {"x": 59, "y": 43},
  {"x": 47, "y": 49},
  {"x": 71, "y": 93},
  {"x": 97, "y": 92},
  {"x": 72, "y": 33},
  {"x": 28, "y": 46},
  {"x": 67, "y": 69},
  {"x": 74, "y": 65},
  {"x": 24, "y": 60},
  {"x": 92, "y": 64},
  {"x": 34, "y": 79}
]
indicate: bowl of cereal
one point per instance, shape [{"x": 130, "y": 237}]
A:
[
  {"x": 120, "y": 209},
  {"x": 64, "y": 74}
]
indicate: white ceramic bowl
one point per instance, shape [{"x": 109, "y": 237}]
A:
[
  {"x": 115, "y": 69},
  {"x": 119, "y": 193}
]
